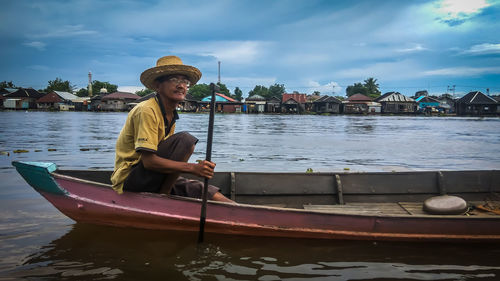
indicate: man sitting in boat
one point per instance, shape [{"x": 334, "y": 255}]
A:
[{"x": 149, "y": 155}]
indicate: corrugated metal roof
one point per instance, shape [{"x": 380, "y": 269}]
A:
[
  {"x": 477, "y": 98},
  {"x": 256, "y": 98},
  {"x": 226, "y": 97},
  {"x": 25, "y": 93},
  {"x": 394, "y": 97},
  {"x": 121, "y": 96},
  {"x": 359, "y": 97},
  {"x": 327, "y": 99},
  {"x": 219, "y": 98},
  {"x": 426, "y": 99},
  {"x": 7, "y": 90},
  {"x": 66, "y": 95},
  {"x": 300, "y": 98},
  {"x": 50, "y": 97}
]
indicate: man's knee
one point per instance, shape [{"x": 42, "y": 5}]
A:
[
  {"x": 178, "y": 147},
  {"x": 187, "y": 140}
]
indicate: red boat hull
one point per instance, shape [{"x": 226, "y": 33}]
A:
[{"x": 100, "y": 205}]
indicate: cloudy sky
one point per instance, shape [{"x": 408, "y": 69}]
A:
[{"x": 306, "y": 45}]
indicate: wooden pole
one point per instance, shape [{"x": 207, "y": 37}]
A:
[{"x": 203, "y": 215}]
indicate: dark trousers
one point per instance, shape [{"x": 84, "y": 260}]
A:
[{"x": 177, "y": 147}]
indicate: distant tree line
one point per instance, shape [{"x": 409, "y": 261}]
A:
[
  {"x": 65, "y": 86},
  {"x": 5, "y": 84},
  {"x": 370, "y": 88}
]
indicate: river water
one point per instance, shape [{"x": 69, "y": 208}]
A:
[{"x": 39, "y": 243}]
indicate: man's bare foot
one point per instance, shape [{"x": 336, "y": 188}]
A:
[{"x": 221, "y": 198}]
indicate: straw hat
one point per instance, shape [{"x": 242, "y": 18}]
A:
[{"x": 169, "y": 65}]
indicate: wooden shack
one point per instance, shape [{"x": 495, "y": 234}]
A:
[
  {"x": 395, "y": 102},
  {"x": 476, "y": 103},
  {"x": 118, "y": 101},
  {"x": 427, "y": 104},
  {"x": 26, "y": 96},
  {"x": 273, "y": 105},
  {"x": 361, "y": 104},
  {"x": 293, "y": 103},
  {"x": 49, "y": 101},
  {"x": 447, "y": 103},
  {"x": 61, "y": 101},
  {"x": 327, "y": 104},
  {"x": 255, "y": 104}
]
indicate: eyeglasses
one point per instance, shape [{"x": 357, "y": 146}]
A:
[{"x": 180, "y": 81}]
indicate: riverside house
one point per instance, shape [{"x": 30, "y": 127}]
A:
[
  {"x": 23, "y": 98},
  {"x": 447, "y": 103},
  {"x": 293, "y": 103},
  {"x": 255, "y": 104},
  {"x": 4, "y": 92},
  {"x": 327, "y": 104},
  {"x": 223, "y": 103},
  {"x": 273, "y": 105},
  {"x": 395, "y": 102},
  {"x": 427, "y": 104},
  {"x": 118, "y": 101},
  {"x": 62, "y": 101},
  {"x": 189, "y": 104},
  {"x": 361, "y": 104},
  {"x": 476, "y": 103}
]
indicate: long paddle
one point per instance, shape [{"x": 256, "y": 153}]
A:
[{"x": 203, "y": 216}]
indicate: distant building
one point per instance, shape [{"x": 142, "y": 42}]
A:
[
  {"x": 327, "y": 104},
  {"x": 255, "y": 104},
  {"x": 310, "y": 99},
  {"x": 223, "y": 104},
  {"x": 476, "y": 103},
  {"x": 361, "y": 104},
  {"x": 395, "y": 102},
  {"x": 189, "y": 104},
  {"x": 96, "y": 103},
  {"x": 59, "y": 100},
  {"x": 293, "y": 103},
  {"x": 4, "y": 92},
  {"x": 427, "y": 104},
  {"x": 447, "y": 103},
  {"x": 22, "y": 98},
  {"x": 49, "y": 101},
  {"x": 117, "y": 101},
  {"x": 273, "y": 105}
]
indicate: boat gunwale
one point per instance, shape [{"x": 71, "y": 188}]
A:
[{"x": 282, "y": 209}]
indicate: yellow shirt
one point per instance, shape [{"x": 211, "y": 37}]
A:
[{"x": 143, "y": 130}]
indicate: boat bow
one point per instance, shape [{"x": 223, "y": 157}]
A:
[{"x": 38, "y": 175}]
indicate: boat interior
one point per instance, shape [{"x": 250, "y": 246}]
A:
[{"x": 380, "y": 193}]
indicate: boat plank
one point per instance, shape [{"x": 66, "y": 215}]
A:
[
  {"x": 360, "y": 208},
  {"x": 413, "y": 208},
  {"x": 400, "y": 208}
]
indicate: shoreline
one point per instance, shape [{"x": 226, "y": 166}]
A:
[{"x": 284, "y": 114}]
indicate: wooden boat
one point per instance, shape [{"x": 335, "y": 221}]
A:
[{"x": 363, "y": 206}]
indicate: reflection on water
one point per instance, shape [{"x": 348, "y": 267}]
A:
[
  {"x": 269, "y": 142},
  {"x": 38, "y": 242},
  {"x": 93, "y": 252}
]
